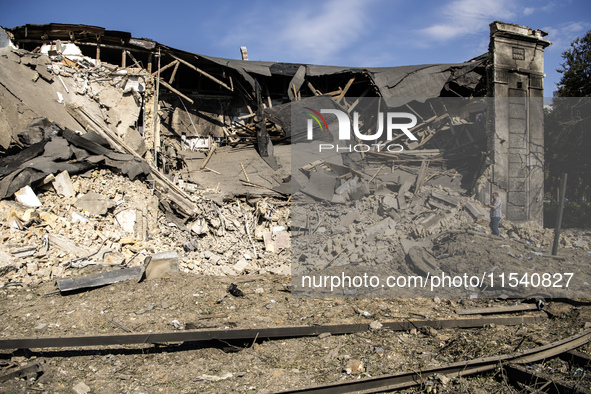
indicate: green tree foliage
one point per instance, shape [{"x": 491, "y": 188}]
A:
[
  {"x": 568, "y": 125},
  {"x": 576, "y": 69}
]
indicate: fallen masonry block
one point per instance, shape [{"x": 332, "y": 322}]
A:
[
  {"x": 102, "y": 279},
  {"x": 381, "y": 227},
  {"x": 389, "y": 202},
  {"x": 401, "y": 201},
  {"x": 349, "y": 218},
  {"x": 443, "y": 201},
  {"x": 159, "y": 264},
  {"x": 474, "y": 210},
  {"x": 276, "y": 240}
]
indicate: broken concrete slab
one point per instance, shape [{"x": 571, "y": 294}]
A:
[
  {"x": 160, "y": 264},
  {"x": 94, "y": 203},
  {"x": 102, "y": 279},
  {"x": 67, "y": 245},
  {"x": 63, "y": 185},
  {"x": 475, "y": 211},
  {"x": 240, "y": 266},
  {"x": 381, "y": 227},
  {"x": 127, "y": 220},
  {"x": 443, "y": 201},
  {"x": 349, "y": 218},
  {"x": 408, "y": 243},
  {"x": 27, "y": 196},
  {"x": 320, "y": 186}
]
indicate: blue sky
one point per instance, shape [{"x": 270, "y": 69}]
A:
[{"x": 333, "y": 32}]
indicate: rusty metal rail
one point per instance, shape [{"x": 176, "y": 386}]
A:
[
  {"x": 463, "y": 368},
  {"x": 252, "y": 334},
  {"x": 537, "y": 382}
]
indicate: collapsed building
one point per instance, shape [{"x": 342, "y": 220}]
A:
[
  {"x": 214, "y": 139},
  {"x": 172, "y": 107}
]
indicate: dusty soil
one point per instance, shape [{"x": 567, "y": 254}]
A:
[{"x": 263, "y": 365}]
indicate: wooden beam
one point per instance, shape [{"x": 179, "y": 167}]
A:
[
  {"x": 169, "y": 65},
  {"x": 347, "y": 86},
  {"x": 313, "y": 89},
  {"x": 200, "y": 71},
  {"x": 134, "y": 59},
  {"x": 209, "y": 155},
  {"x": 167, "y": 86},
  {"x": 176, "y": 67}
]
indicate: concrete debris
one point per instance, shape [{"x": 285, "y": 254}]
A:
[
  {"x": 80, "y": 388},
  {"x": 94, "y": 203},
  {"x": 161, "y": 264},
  {"x": 63, "y": 185},
  {"x": 27, "y": 196}
]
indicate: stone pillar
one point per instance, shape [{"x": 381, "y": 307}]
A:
[{"x": 516, "y": 120}]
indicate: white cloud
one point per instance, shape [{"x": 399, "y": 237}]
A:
[
  {"x": 562, "y": 35},
  {"x": 528, "y": 11},
  {"x": 320, "y": 33},
  {"x": 301, "y": 31},
  {"x": 463, "y": 17}
]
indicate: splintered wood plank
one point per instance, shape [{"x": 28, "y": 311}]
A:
[{"x": 344, "y": 91}]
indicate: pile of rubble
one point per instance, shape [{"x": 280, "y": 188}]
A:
[{"x": 103, "y": 218}]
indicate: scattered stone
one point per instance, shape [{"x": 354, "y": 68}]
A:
[
  {"x": 375, "y": 325},
  {"x": 81, "y": 388},
  {"x": 240, "y": 266}
]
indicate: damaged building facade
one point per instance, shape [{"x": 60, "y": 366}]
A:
[{"x": 177, "y": 109}]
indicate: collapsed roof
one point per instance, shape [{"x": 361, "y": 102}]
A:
[
  {"x": 281, "y": 79},
  {"x": 199, "y": 99}
]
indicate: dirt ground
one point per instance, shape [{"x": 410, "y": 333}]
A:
[{"x": 263, "y": 365}]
